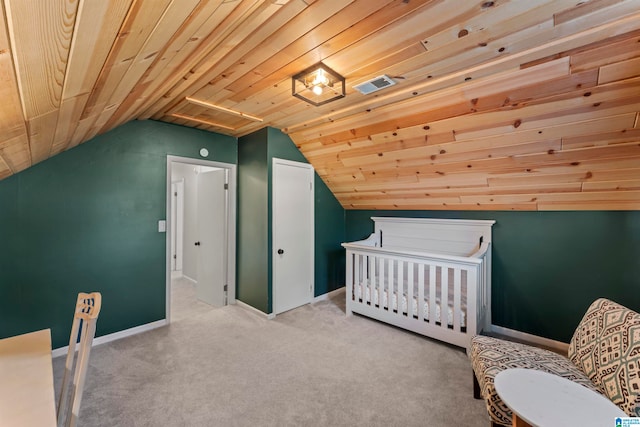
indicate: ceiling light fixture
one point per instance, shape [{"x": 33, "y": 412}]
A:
[{"x": 318, "y": 85}]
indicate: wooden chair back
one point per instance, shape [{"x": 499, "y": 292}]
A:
[{"x": 83, "y": 330}]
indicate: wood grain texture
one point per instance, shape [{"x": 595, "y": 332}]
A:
[
  {"x": 497, "y": 105},
  {"x": 16, "y": 154},
  {"x": 41, "y": 39},
  {"x": 96, "y": 27},
  {"x": 139, "y": 23},
  {"x": 14, "y": 142},
  {"x": 25, "y": 365}
]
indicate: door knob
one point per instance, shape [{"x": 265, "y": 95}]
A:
[
  {"x": 197, "y": 243},
  {"x": 280, "y": 251}
]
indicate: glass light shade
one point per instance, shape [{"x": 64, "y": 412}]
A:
[{"x": 318, "y": 85}]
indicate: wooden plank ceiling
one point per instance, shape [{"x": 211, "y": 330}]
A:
[{"x": 505, "y": 104}]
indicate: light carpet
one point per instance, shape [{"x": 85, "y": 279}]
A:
[{"x": 312, "y": 366}]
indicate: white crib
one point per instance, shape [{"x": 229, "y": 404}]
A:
[{"x": 430, "y": 276}]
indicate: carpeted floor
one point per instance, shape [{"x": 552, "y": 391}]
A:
[{"x": 312, "y": 366}]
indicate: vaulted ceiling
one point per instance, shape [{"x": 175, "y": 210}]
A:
[{"x": 505, "y": 104}]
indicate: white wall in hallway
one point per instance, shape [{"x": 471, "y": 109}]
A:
[
  {"x": 189, "y": 255},
  {"x": 189, "y": 173}
]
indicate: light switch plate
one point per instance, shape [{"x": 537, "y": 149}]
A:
[{"x": 162, "y": 226}]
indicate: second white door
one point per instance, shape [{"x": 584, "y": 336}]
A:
[
  {"x": 212, "y": 237},
  {"x": 293, "y": 234}
]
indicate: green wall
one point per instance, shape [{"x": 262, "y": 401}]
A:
[
  {"x": 330, "y": 232},
  {"x": 86, "y": 220},
  {"x": 548, "y": 266},
  {"x": 253, "y": 266},
  {"x": 255, "y": 154}
]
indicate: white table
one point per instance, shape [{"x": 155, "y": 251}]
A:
[
  {"x": 539, "y": 399},
  {"x": 27, "y": 398}
]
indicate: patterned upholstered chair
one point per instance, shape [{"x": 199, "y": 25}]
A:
[{"x": 604, "y": 355}]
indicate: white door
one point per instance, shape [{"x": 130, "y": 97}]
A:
[
  {"x": 212, "y": 237},
  {"x": 177, "y": 224},
  {"x": 292, "y": 234}
]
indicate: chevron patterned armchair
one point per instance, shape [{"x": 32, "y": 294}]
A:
[{"x": 604, "y": 355}]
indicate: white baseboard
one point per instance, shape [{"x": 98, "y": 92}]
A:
[
  {"x": 184, "y": 276},
  {"x": 115, "y": 336},
  {"x": 246, "y": 306},
  {"x": 328, "y": 295},
  {"x": 271, "y": 316},
  {"x": 533, "y": 339}
]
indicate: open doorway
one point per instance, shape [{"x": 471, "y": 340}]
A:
[{"x": 200, "y": 262}]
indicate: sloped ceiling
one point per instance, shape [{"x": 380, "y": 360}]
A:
[{"x": 498, "y": 104}]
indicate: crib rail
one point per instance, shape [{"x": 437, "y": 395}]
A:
[{"x": 442, "y": 296}]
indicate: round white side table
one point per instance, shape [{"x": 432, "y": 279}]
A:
[{"x": 544, "y": 400}]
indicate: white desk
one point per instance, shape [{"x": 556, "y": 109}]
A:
[
  {"x": 540, "y": 399},
  {"x": 27, "y": 397}
]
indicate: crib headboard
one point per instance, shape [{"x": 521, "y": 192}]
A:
[{"x": 460, "y": 237}]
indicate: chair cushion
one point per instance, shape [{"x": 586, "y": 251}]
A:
[
  {"x": 606, "y": 346},
  {"x": 490, "y": 355}
]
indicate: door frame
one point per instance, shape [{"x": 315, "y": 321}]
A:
[
  {"x": 177, "y": 239},
  {"x": 231, "y": 226},
  {"x": 274, "y": 189}
]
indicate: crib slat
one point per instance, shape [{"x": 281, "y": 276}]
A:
[
  {"x": 349, "y": 268},
  {"x": 391, "y": 274},
  {"x": 372, "y": 278},
  {"x": 432, "y": 294},
  {"x": 384, "y": 287},
  {"x": 389, "y": 286},
  {"x": 421, "y": 299},
  {"x": 383, "y": 280},
  {"x": 349, "y": 282},
  {"x": 375, "y": 285},
  {"x": 379, "y": 282},
  {"x": 357, "y": 276},
  {"x": 365, "y": 277},
  {"x": 464, "y": 297},
  {"x": 473, "y": 309},
  {"x": 410, "y": 297},
  {"x": 444, "y": 296},
  {"x": 400, "y": 293},
  {"x": 484, "y": 274},
  {"x": 456, "y": 299}
]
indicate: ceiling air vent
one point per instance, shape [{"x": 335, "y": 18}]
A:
[{"x": 374, "y": 85}]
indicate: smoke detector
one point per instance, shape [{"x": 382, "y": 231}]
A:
[{"x": 374, "y": 85}]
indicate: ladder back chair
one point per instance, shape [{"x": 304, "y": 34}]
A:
[{"x": 83, "y": 330}]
